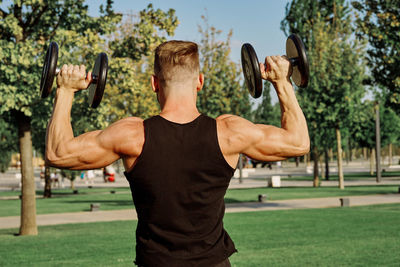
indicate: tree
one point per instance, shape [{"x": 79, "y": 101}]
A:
[
  {"x": 390, "y": 128},
  {"x": 379, "y": 21},
  {"x": 336, "y": 72},
  {"x": 24, "y": 29},
  {"x": 222, "y": 91},
  {"x": 363, "y": 128}
]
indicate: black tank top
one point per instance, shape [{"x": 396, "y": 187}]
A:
[{"x": 178, "y": 186}]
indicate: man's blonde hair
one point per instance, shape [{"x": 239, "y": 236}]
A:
[{"x": 174, "y": 59}]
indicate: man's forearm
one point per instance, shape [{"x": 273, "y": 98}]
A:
[
  {"x": 59, "y": 129},
  {"x": 292, "y": 118}
]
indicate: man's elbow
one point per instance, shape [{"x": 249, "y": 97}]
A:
[
  {"x": 302, "y": 147},
  {"x": 51, "y": 159}
]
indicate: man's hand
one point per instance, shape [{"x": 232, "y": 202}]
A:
[
  {"x": 73, "y": 77},
  {"x": 276, "y": 69}
]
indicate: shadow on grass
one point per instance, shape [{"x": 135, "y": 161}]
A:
[
  {"x": 85, "y": 191},
  {"x": 101, "y": 201},
  {"x": 231, "y": 200}
]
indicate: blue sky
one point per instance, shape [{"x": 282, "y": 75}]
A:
[{"x": 252, "y": 21}]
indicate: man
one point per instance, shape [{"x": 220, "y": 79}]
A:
[{"x": 180, "y": 162}]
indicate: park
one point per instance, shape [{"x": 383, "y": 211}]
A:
[{"x": 331, "y": 200}]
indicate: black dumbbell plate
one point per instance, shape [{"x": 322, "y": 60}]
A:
[
  {"x": 295, "y": 49},
  {"x": 251, "y": 70},
  {"x": 96, "y": 89},
  {"x": 49, "y": 69}
]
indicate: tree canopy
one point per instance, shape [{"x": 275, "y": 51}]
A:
[{"x": 379, "y": 22}]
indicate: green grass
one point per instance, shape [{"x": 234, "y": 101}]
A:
[
  {"x": 356, "y": 236},
  {"x": 251, "y": 194},
  {"x": 65, "y": 201},
  {"x": 347, "y": 176}
]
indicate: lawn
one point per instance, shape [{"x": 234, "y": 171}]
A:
[
  {"x": 251, "y": 194},
  {"x": 347, "y": 176},
  {"x": 65, "y": 201},
  {"x": 356, "y": 236}
]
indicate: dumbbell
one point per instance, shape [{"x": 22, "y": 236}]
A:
[
  {"x": 296, "y": 53},
  {"x": 96, "y": 86}
]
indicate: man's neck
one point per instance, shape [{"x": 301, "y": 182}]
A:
[{"x": 179, "y": 110}]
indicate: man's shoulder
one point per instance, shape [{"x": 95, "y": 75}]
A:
[
  {"x": 126, "y": 135},
  {"x": 126, "y": 126},
  {"x": 231, "y": 121},
  {"x": 128, "y": 122}
]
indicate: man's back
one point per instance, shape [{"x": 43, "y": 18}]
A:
[{"x": 178, "y": 185}]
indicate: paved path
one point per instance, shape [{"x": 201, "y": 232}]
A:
[{"x": 130, "y": 214}]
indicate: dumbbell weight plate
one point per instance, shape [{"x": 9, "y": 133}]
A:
[
  {"x": 295, "y": 49},
  {"x": 49, "y": 69},
  {"x": 99, "y": 73},
  {"x": 251, "y": 70}
]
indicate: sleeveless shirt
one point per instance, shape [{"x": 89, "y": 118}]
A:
[{"x": 178, "y": 185}]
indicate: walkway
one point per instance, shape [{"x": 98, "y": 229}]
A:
[{"x": 130, "y": 214}]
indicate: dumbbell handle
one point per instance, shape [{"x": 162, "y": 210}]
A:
[
  {"x": 294, "y": 61},
  {"x": 94, "y": 77}
]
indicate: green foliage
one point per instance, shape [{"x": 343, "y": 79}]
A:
[
  {"x": 390, "y": 126},
  {"x": 222, "y": 91},
  {"x": 302, "y": 15},
  {"x": 7, "y": 147},
  {"x": 141, "y": 37},
  {"x": 379, "y": 21},
  {"x": 266, "y": 113},
  {"x": 363, "y": 126}
]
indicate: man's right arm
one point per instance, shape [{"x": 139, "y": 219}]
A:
[{"x": 266, "y": 142}]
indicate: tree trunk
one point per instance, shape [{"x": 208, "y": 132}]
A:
[
  {"x": 297, "y": 161},
  {"x": 326, "y": 165},
  {"x": 47, "y": 183},
  {"x": 316, "y": 174},
  {"x": 330, "y": 154},
  {"x": 339, "y": 158},
  {"x": 365, "y": 156},
  {"x": 371, "y": 161},
  {"x": 28, "y": 203},
  {"x": 351, "y": 150},
  {"x": 378, "y": 143},
  {"x": 390, "y": 154},
  {"x": 321, "y": 163}
]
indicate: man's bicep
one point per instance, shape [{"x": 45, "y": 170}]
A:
[
  {"x": 266, "y": 143},
  {"x": 87, "y": 151}
]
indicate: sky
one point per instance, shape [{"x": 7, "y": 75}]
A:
[{"x": 252, "y": 21}]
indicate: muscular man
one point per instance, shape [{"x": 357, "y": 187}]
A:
[{"x": 180, "y": 162}]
